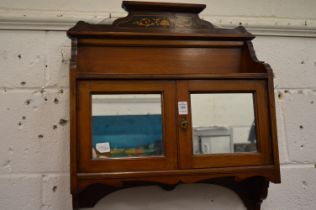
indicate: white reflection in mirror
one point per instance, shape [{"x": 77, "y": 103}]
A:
[
  {"x": 223, "y": 123},
  {"x": 126, "y": 125}
]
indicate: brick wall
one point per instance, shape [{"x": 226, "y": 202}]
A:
[{"x": 34, "y": 128}]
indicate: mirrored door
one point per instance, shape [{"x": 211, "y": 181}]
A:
[
  {"x": 227, "y": 123},
  {"x": 130, "y": 125}
]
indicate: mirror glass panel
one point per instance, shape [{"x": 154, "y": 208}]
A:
[
  {"x": 126, "y": 125},
  {"x": 223, "y": 123}
]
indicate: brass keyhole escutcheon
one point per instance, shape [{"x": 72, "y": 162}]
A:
[{"x": 184, "y": 123}]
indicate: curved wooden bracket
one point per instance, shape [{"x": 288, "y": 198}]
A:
[
  {"x": 252, "y": 191},
  {"x": 90, "y": 196}
]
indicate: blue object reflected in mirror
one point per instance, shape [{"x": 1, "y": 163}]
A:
[{"x": 126, "y": 125}]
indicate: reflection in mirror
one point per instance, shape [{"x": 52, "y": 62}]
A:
[
  {"x": 126, "y": 125},
  {"x": 223, "y": 123}
]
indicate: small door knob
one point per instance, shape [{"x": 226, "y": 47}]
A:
[{"x": 184, "y": 123}]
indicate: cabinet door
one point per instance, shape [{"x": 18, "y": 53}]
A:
[
  {"x": 126, "y": 125},
  {"x": 226, "y": 123}
]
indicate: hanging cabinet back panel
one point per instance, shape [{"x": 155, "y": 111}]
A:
[{"x": 159, "y": 60}]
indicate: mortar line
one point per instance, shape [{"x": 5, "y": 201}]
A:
[
  {"x": 297, "y": 165},
  {"x": 33, "y": 174}
]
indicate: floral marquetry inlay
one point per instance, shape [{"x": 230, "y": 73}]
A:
[
  {"x": 152, "y": 22},
  {"x": 172, "y": 22}
]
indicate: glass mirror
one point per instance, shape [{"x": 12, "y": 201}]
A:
[
  {"x": 126, "y": 125},
  {"x": 223, "y": 123}
]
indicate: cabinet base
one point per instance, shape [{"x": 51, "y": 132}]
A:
[{"x": 252, "y": 191}]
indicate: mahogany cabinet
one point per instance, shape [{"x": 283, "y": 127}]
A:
[{"x": 162, "y": 97}]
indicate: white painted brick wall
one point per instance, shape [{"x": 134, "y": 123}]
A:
[
  {"x": 55, "y": 192},
  {"x": 34, "y": 142},
  {"x": 20, "y": 191},
  {"x": 297, "y": 190},
  {"x": 292, "y": 59}
]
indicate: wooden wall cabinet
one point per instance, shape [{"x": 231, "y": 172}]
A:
[{"x": 161, "y": 97}]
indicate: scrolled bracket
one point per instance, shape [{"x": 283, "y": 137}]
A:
[{"x": 252, "y": 191}]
